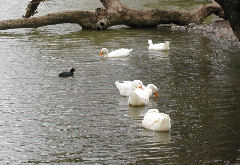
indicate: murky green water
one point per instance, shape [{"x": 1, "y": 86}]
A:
[{"x": 45, "y": 119}]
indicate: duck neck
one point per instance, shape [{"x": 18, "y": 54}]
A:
[
  {"x": 106, "y": 53},
  {"x": 149, "y": 91}
]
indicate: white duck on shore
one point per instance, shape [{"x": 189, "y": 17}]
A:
[
  {"x": 159, "y": 46},
  {"x": 125, "y": 88},
  {"x": 123, "y": 52},
  {"x": 155, "y": 121},
  {"x": 140, "y": 97}
]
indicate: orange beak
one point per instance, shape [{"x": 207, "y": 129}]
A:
[
  {"x": 141, "y": 87},
  {"x": 156, "y": 94},
  {"x": 101, "y": 53}
]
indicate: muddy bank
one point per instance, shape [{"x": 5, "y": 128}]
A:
[{"x": 219, "y": 31}]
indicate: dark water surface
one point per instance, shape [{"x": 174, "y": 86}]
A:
[{"x": 45, "y": 119}]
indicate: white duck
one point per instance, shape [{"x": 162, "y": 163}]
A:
[
  {"x": 140, "y": 97},
  {"x": 160, "y": 46},
  {"x": 116, "y": 53},
  {"x": 125, "y": 88},
  {"x": 156, "y": 121}
]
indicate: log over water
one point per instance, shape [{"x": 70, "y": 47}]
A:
[{"x": 112, "y": 13}]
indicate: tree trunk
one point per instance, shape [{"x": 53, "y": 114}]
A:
[
  {"x": 114, "y": 13},
  {"x": 231, "y": 10}
]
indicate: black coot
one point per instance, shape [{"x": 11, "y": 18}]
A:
[{"x": 67, "y": 74}]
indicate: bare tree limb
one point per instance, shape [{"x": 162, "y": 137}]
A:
[
  {"x": 32, "y": 7},
  {"x": 115, "y": 13},
  {"x": 205, "y": 11},
  {"x": 107, "y": 3}
]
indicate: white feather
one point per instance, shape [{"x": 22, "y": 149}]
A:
[
  {"x": 125, "y": 88},
  {"x": 116, "y": 53},
  {"x": 153, "y": 120},
  {"x": 159, "y": 46},
  {"x": 140, "y": 97}
]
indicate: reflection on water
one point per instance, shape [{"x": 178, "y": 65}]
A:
[
  {"x": 45, "y": 119},
  {"x": 159, "y": 55},
  {"x": 157, "y": 137}
]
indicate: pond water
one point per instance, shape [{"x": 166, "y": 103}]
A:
[{"x": 45, "y": 119}]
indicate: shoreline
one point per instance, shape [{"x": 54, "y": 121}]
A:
[{"x": 219, "y": 31}]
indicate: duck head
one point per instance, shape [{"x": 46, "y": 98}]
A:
[
  {"x": 72, "y": 70},
  {"x": 138, "y": 84},
  {"x": 154, "y": 89},
  {"x": 167, "y": 44},
  {"x": 150, "y": 43},
  {"x": 104, "y": 51}
]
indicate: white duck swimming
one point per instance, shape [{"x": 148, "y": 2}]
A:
[
  {"x": 140, "y": 97},
  {"x": 116, "y": 53},
  {"x": 156, "y": 121},
  {"x": 160, "y": 46},
  {"x": 125, "y": 88}
]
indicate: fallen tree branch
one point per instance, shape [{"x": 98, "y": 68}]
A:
[
  {"x": 32, "y": 7},
  {"x": 114, "y": 13}
]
